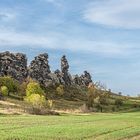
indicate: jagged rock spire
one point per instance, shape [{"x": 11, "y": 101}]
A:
[
  {"x": 85, "y": 79},
  {"x": 14, "y": 65},
  {"x": 64, "y": 70},
  {"x": 39, "y": 68},
  {"x": 64, "y": 64}
]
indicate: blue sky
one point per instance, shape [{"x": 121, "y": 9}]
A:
[{"x": 101, "y": 36}]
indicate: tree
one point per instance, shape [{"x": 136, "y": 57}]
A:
[
  {"x": 10, "y": 83},
  {"x": 36, "y": 100},
  {"x": 97, "y": 96},
  {"x": 60, "y": 90},
  {"x": 4, "y": 90},
  {"x": 35, "y": 97},
  {"x": 118, "y": 102},
  {"x": 92, "y": 94},
  {"x": 120, "y": 93},
  {"x": 138, "y": 95},
  {"x": 109, "y": 90},
  {"x": 22, "y": 88},
  {"x": 50, "y": 103},
  {"x": 101, "y": 86},
  {"x": 34, "y": 88}
]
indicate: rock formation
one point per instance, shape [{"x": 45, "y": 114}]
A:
[
  {"x": 64, "y": 69},
  {"x": 14, "y": 65},
  {"x": 39, "y": 69},
  {"x": 85, "y": 79},
  {"x": 59, "y": 75},
  {"x": 77, "y": 80}
]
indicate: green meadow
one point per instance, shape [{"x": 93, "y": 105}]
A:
[{"x": 96, "y": 126}]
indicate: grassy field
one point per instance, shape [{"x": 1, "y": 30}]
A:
[{"x": 71, "y": 127}]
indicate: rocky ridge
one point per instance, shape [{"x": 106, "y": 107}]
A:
[{"x": 15, "y": 65}]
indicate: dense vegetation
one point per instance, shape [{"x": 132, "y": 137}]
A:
[{"x": 39, "y": 100}]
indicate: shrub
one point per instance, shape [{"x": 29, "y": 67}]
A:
[
  {"x": 103, "y": 100},
  {"x": 34, "y": 88},
  {"x": 35, "y": 97},
  {"x": 113, "y": 109},
  {"x": 22, "y": 88},
  {"x": 60, "y": 90},
  {"x": 10, "y": 83},
  {"x": 118, "y": 102},
  {"x": 135, "y": 105},
  {"x": 50, "y": 103},
  {"x": 92, "y": 95},
  {"x": 4, "y": 90},
  {"x": 37, "y": 102}
]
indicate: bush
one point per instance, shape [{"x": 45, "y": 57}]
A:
[
  {"x": 135, "y": 105},
  {"x": 118, "y": 102},
  {"x": 4, "y": 90},
  {"x": 60, "y": 90},
  {"x": 113, "y": 109},
  {"x": 10, "y": 83},
  {"x": 92, "y": 95},
  {"x": 103, "y": 100},
  {"x": 35, "y": 97},
  {"x": 22, "y": 88},
  {"x": 50, "y": 103},
  {"x": 34, "y": 88},
  {"x": 36, "y": 100}
]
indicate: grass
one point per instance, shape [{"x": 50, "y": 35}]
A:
[
  {"x": 98, "y": 126},
  {"x": 94, "y": 126}
]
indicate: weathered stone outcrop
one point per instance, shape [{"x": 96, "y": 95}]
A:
[
  {"x": 85, "y": 79},
  {"x": 14, "y": 65},
  {"x": 59, "y": 75},
  {"x": 39, "y": 69},
  {"x": 65, "y": 71},
  {"x": 77, "y": 80}
]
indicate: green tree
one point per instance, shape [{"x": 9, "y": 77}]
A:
[
  {"x": 118, "y": 102},
  {"x": 60, "y": 90},
  {"x": 35, "y": 97},
  {"x": 92, "y": 95},
  {"x": 34, "y": 88},
  {"x": 22, "y": 88},
  {"x": 36, "y": 100},
  {"x": 10, "y": 83},
  {"x": 4, "y": 90}
]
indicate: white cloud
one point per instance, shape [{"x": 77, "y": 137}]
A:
[
  {"x": 60, "y": 41},
  {"x": 55, "y": 2},
  {"x": 95, "y": 46},
  {"x": 120, "y": 13},
  {"x": 12, "y": 38}
]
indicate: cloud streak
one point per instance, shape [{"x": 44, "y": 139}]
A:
[
  {"x": 121, "y": 13},
  {"x": 62, "y": 42}
]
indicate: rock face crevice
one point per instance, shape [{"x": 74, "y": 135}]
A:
[{"x": 15, "y": 65}]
